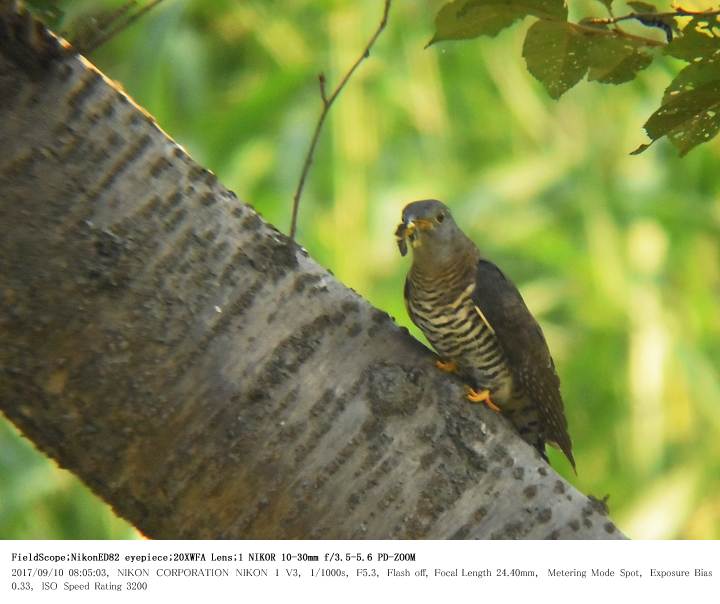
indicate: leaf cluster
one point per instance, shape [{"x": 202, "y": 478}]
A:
[{"x": 560, "y": 53}]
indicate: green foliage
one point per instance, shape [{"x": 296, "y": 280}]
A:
[
  {"x": 556, "y": 54},
  {"x": 614, "y": 59},
  {"x": 618, "y": 257},
  {"x": 472, "y": 18},
  {"x": 690, "y": 110},
  {"x": 559, "y": 54},
  {"x": 46, "y": 10}
]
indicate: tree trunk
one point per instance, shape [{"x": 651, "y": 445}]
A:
[{"x": 202, "y": 374}]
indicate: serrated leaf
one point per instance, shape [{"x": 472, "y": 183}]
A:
[
  {"x": 690, "y": 113},
  {"x": 699, "y": 39},
  {"x": 615, "y": 59},
  {"x": 556, "y": 53},
  {"x": 462, "y": 19}
]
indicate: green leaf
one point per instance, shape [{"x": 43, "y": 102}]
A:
[
  {"x": 699, "y": 39},
  {"x": 641, "y": 148},
  {"x": 693, "y": 76},
  {"x": 464, "y": 19},
  {"x": 556, "y": 53},
  {"x": 615, "y": 59},
  {"x": 607, "y": 4},
  {"x": 642, "y": 7},
  {"x": 690, "y": 113},
  {"x": 47, "y": 11}
]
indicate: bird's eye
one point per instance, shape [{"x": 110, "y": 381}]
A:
[{"x": 440, "y": 217}]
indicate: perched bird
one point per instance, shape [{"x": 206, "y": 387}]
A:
[{"x": 477, "y": 321}]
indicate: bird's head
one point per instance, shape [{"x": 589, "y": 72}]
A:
[{"x": 430, "y": 229}]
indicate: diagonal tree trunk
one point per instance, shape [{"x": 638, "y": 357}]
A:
[{"x": 199, "y": 371}]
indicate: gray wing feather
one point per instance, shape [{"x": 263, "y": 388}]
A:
[{"x": 525, "y": 348}]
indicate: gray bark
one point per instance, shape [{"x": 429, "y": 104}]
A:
[{"x": 204, "y": 375}]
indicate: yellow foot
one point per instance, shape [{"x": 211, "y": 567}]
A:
[
  {"x": 481, "y": 397},
  {"x": 447, "y": 366}
]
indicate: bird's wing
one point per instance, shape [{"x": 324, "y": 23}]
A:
[{"x": 500, "y": 304}]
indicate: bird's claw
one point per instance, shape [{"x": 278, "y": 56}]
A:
[
  {"x": 481, "y": 397},
  {"x": 446, "y": 366}
]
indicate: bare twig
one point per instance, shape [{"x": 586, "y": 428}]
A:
[
  {"x": 327, "y": 103},
  {"x": 586, "y": 26},
  {"x": 123, "y": 25},
  {"x": 680, "y": 12}
]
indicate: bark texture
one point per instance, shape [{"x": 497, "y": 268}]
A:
[{"x": 202, "y": 374}]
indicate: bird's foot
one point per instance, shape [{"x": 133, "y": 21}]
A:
[
  {"x": 447, "y": 366},
  {"x": 481, "y": 397}
]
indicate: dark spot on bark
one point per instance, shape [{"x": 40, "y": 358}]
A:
[
  {"x": 108, "y": 246},
  {"x": 379, "y": 316},
  {"x": 437, "y": 496},
  {"x": 83, "y": 93},
  {"x": 574, "y": 525},
  {"x": 555, "y": 535},
  {"x": 599, "y": 505},
  {"x": 379, "y": 319},
  {"x": 349, "y": 306},
  {"x": 353, "y": 501},
  {"x": 544, "y": 515},
  {"x": 114, "y": 141},
  {"x": 461, "y": 533},
  {"x": 427, "y": 459},
  {"x": 609, "y": 528},
  {"x": 208, "y": 199},
  {"x": 293, "y": 352},
  {"x": 159, "y": 166},
  {"x": 371, "y": 427},
  {"x": 390, "y": 390},
  {"x": 106, "y": 268},
  {"x": 465, "y": 434},
  {"x": 172, "y": 201},
  {"x": 518, "y": 473},
  {"x": 251, "y": 222},
  {"x": 498, "y": 453},
  {"x": 587, "y": 523},
  {"x": 305, "y": 280},
  {"x": 530, "y": 491},
  {"x": 276, "y": 256},
  {"x": 210, "y": 178},
  {"x": 559, "y": 487},
  {"x": 428, "y": 432},
  {"x": 196, "y": 172},
  {"x": 354, "y": 330},
  {"x": 479, "y": 514},
  {"x": 511, "y": 530},
  {"x": 542, "y": 471},
  {"x": 174, "y": 221}
]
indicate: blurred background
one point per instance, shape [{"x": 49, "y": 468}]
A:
[{"x": 617, "y": 256}]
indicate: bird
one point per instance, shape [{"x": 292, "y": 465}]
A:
[{"x": 480, "y": 326}]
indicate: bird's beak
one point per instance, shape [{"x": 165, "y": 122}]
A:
[{"x": 407, "y": 228}]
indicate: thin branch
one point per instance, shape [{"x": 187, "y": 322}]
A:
[
  {"x": 123, "y": 25},
  {"x": 616, "y": 32},
  {"x": 327, "y": 103},
  {"x": 680, "y": 12}
]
